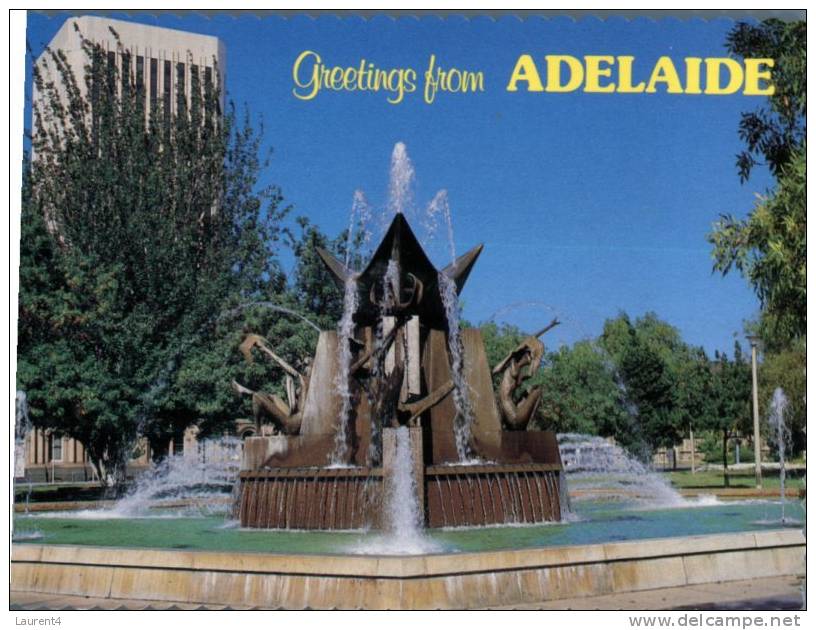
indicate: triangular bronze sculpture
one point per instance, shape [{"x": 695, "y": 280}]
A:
[{"x": 401, "y": 246}]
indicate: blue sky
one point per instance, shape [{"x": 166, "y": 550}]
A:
[{"x": 588, "y": 204}]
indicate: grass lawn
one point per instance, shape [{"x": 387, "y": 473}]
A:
[{"x": 741, "y": 479}]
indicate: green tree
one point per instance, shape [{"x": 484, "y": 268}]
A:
[
  {"x": 644, "y": 374},
  {"x": 687, "y": 368},
  {"x": 499, "y": 340},
  {"x": 730, "y": 409},
  {"x": 139, "y": 229},
  {"x": 580, "y": 394},
  {"x": 786, "y": 369},
  {"x": 288, "y": 315},
  {"x": 649, "y": 387},
  {"x": 676, "y": 399},
  {"x": 773, "y": 132},
  {"x": 314, "y": 287},
  {"x": 693, "y": 389},
  {"x": 769, "y": 246}
]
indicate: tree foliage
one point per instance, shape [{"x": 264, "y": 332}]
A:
[
  {"x": 769, "y": 247},
  {"x": 729, "y": 411},
  {"x": 139, "y": 228},
  {"x": 786, "y": 369},
  {"x": 580, "y": 394},
  {"x": 772, "y": 132},
  {"x": 663, "y": 377},
  {"x": 499, "y": 340}
]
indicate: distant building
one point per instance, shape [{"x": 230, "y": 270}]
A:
[
  {"x": 51, "y": 457},
  {"x": 163, "y": 63}
]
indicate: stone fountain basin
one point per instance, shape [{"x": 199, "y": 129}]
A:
[
  {"x": 458, "y": 581},
  {"x": 608, "y": 549}
]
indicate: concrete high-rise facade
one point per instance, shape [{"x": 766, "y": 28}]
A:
[{"x": 162, "y": 62}]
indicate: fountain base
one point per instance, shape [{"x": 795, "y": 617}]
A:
[
  {"x": 448, "y": 495},
  {"x": 445, "y": 581}
]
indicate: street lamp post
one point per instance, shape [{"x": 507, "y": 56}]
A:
[{"x": 753, "y": 339}]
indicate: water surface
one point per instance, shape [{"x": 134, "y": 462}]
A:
[{"x": 594, "y": 523}]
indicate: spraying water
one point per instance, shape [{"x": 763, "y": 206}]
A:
[
  {"x": 210, "y": 471},
  {"x": 461, "y": 401},
  {"x": 403, "y": 534},
  {"x": 438, "y": 210},
  {"x": 401, "y": 182},
  {"x": 189, "y": 483},
  {"x": 782, "y": 435},
  {"x": 345, "y": 333},
  {"x": 22, "y": 425},
  {"x": 271, "y": 306},
  {"x": 359, "y": 217},
  {"x": 401, "y": 200},
  {"x": 439, "y": 206},
  {"x": 402, "y": 510},
  {"x": 600, "y": 470}
]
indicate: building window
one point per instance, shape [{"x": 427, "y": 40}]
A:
[
  {"x": 139, "y": 73},
  {"x": 168, "y": 78},
  {"x": 56, "y": 448},
  {"x": 96, "y": 81},
  {"x": 208, "y": 95},
  {"x": 140, "y": 92},
  {"x": 111, "y": 72},
  {"x": 154, "y": 83},
  {"x": 195, "y": 92},
  {"x": 125, "y": 74},
  {"x": 181, "y": 95}
]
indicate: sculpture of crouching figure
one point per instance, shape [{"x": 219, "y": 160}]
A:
[
  {"x": 518, "y": 366},
  {"x": 285, "y": 416}
]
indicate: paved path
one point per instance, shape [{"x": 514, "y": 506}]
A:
[{"x": 780, "y": 593}]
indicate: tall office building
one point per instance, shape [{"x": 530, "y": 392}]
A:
[{"x": 164, "y": 63}]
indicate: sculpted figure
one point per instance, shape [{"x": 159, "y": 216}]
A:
[
  {"x": 384, "y": 390},
  {"x": 286, "y": 416},
  {"x": 518, "y": 366}
]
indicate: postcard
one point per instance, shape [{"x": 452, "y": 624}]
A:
[{"x": 412, "y": 312}]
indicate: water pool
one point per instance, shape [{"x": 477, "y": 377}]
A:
[{"x": 594, "y": 522}]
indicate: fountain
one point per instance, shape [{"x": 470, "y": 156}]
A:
[
  {"x": 781, "y": 435},
  {"x": 399, "y": 359},
  {"x": 22, "y": 424},
  {"x": 433, "y": 491},
  {"x": 197, "y": 482},
  {"x": 600, "y": 470}
]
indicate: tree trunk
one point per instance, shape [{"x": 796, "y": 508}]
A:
[
  {"x": 111, "y": 472},
  {"x": 691, "y": 436},
  {"x": 726, "y": 481}
]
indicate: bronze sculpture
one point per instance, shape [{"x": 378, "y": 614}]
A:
[
  {"x": 286, "y": 416},
  {"x": 517, "y": 367},
  {"x": 401, "y": 362}
]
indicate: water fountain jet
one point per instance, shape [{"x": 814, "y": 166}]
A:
[{"x": 782, "y": 437}]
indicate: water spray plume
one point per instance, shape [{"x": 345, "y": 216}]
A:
[{"x": 401, "y": 181}]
